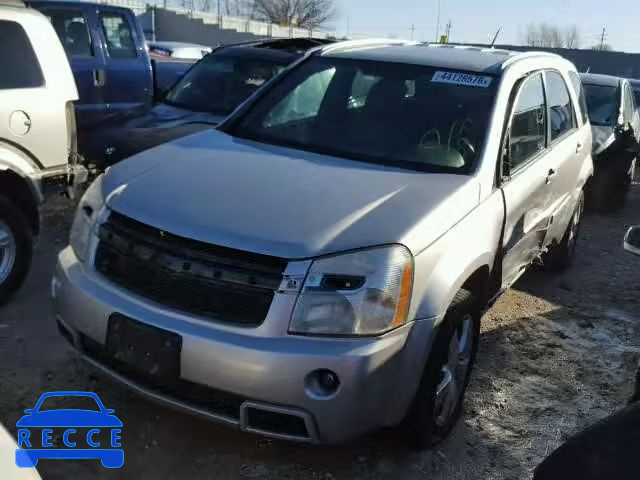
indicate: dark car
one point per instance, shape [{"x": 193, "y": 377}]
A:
[
  {"x": 201, "y": 99},
  {"x": 615, "y": 124}
]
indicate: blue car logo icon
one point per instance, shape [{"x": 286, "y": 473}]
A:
[{"x": 92, "y": 432}]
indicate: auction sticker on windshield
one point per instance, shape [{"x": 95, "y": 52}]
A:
[{"x": 461, "y": 79}]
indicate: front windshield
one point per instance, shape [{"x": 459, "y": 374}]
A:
[
  {"x": 219, "y": 83},
  {"x": 408, "y": 116},
  {"x": 602, "y": 104}
]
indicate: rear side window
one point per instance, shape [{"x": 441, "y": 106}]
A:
[
  {"x": 20, "y": 67},
  {"x": 71, "y": 27},
  {"x": 561, "y": 115},
  {"x": 118, "y": 36},
  {"x": 528, "y": 131},
  {"x": 577, "y": 86}
]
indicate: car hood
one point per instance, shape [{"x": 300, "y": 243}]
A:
[
  {"x": 69, "y": 418},
  {"x": 146, "y": 129},
  {"x": 163, "y": 115},
  {"x": 603, "y": 137},
  {"x": 283, "y": 202}
]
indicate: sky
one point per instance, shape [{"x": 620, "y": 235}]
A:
[{"x": 476, "y": 21}]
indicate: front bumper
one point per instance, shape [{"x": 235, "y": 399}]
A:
[{"x": 260, "y": 369}]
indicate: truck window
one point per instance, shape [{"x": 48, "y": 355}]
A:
[
  {"x": 561, "y": 115},
  {"x": 528, "y": 131},
  {"x": 118, "y": 35},
  {"x": 577, "y": 85},
  {"x": 71, "y": 27},
  {"x": 20, "y": 67}
]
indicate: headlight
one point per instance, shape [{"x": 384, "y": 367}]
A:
[
  {"x": 359, "y": 293},
  {"x": 88, "y": 209}
]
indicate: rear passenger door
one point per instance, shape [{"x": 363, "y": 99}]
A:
[
  {"x": 128, "y": 76},
  {"x": 525, "y": 178},
  {"x": 74, "y": 28},
  {"x": 569, "y": 148}
]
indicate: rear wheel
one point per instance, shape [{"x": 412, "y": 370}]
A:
[
  {"x": 438, "y": 401},
  {"x": 560, "y": 256},
  {"x": 16, "y": 248}
]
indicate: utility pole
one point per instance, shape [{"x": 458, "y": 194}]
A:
[
  {"x": 448, "y": 30},
  {"x": 413, "y": 29},
  {"x": 602, "y": 37},
  {"x": 438, "y": 24}
]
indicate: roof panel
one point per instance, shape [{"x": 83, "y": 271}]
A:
[{"x": 473, "y": 59}]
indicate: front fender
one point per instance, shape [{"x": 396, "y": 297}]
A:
[{"x": 444, "y": 267}]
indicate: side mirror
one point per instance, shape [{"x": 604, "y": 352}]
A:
[
  {"x": 109, "y": 411},
  {"x": 29, "y": 411},
  {"x": 632, "y": 240}
]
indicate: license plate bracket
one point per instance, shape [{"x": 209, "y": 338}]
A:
[{"x": 145, "y": 349}]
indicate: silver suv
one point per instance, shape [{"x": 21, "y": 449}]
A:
[
  {"x": 37, "y": 131},
  {"x": 317, "y": 267}
]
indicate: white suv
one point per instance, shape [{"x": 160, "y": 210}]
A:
[
  {"x": 37, "y": 131},
  {"x": 317, "y": 266}
]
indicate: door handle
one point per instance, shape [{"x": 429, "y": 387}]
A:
[
  {"x": 578, "y": 147},
  {"x": 99, "y": 77},
  {"x": 551, "y": 175}
]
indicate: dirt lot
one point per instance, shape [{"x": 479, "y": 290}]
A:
[{"x": 556, "y": 354}]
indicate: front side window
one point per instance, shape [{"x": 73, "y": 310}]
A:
[
  {"x": 20, "y": 67},
  {"x": 561, "y": 115},
  {"x": 71, "y": 27},
  {"x": 528, "y": 130},
  {"x": 603, "y": 104},
  {"x": 219, "y": 83},
  {"x": 118, "y": 35},
  {"x": 408, "y": 116}
]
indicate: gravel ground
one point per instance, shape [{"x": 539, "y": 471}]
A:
[{"x": 557, "y": 353}]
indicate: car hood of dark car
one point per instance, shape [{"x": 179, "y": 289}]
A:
[
  {"x": 131, "y": 134},
  {"x": 69, "y": 418},
  {"x": 603, "y": 138},
  {"x": 278, "y": 201}
]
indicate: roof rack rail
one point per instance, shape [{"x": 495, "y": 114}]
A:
[
  {"x": 365, "y": 43},
  {"x": 532, "y": 54}
]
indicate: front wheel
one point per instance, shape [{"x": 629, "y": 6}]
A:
[
  {"x": 438, "y": 401},
  {"x": 16, "y": 248}
]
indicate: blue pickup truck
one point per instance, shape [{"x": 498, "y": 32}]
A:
[{"x": 109, "y": 58}]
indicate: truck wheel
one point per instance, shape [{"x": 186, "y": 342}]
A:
[
  {"x": 16, "y": 248},
  {"x": 560, "y": 256},
  {"x": 438, "y": 401}
]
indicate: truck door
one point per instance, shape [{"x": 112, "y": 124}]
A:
[
  {"x": 526, "y": 179},
  {"x": 74, "y": 28},
  {"x": 128, "y": 77}
]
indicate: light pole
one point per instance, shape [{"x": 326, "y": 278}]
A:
[{"x": 438, "y": 24}]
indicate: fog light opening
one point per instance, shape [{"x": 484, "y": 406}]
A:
[{"x": 322, "y": 384}]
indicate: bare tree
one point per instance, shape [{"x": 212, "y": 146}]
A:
[
  {"x": 605, "y": 47},
  {"x": 295, "y": 13},
  {"x": 544, "y": 35},
  {"x": 572, "y": 37}
]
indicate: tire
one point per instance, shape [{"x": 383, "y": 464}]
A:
[
  {"x": 610, "y": 188},
  {"x": 429, "y": 419},
  {"x": 16, "y": 248},
  {"x": 560, "y": 256}
]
